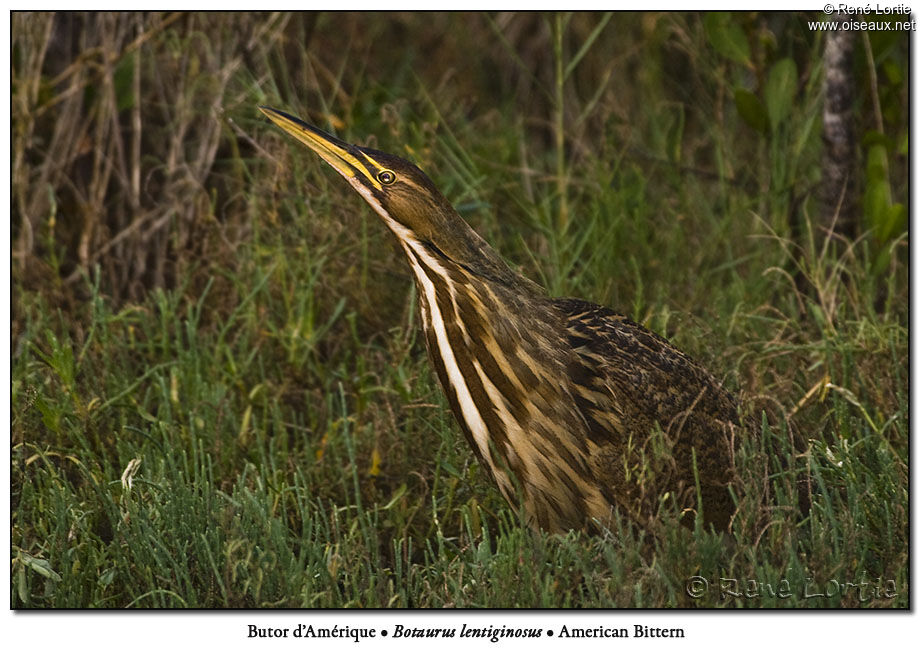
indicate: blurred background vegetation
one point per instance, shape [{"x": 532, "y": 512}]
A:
[{"x": 219, "y": 397}]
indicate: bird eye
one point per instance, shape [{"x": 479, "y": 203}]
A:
[{"x": 387, "y": 177}]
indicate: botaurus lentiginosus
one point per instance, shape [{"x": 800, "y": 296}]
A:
[{"x": 573, "y": 409}]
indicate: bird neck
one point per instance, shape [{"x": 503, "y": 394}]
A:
[{"x": 459, "y": 244}]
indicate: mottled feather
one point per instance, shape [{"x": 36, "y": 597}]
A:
[{"x": 648, "y": 404}]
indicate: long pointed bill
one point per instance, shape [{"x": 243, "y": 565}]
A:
[
  {"x": 350, "y": 161},
  {"x": 340, "y": 155}
]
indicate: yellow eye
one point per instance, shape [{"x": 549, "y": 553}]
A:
[{"x": 387, "y": 177}]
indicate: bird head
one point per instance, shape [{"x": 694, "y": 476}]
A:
[{"x": 403, "y": 196}]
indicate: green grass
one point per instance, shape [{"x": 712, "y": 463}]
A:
[{"x": 222, "y": 400}]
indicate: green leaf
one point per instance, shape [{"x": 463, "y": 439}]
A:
[
  {"x": 21, "y": 585},
  {"x": 751, "y": 109},
  {"x": 893, "y": 72},
  {"x": 727, "y": 37},
  {"x": 872, "y": 137},
  {"x": 124, "y": 82},
  {"x": 877, "y": 164},
  {"x": 779, "y": 91},
  {"x": 50, "y": 417},
  {"x": 106, "y": 578},
  {"x": 876, "y": 203},
  {"x": 675, "y": 135},
  {"x": 41, "y": 566},
  {"x": 397, "y": 496},
  {"x": 894, "y": 223}
]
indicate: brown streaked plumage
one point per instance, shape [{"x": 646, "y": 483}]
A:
[{"x": 575, "y": 407}]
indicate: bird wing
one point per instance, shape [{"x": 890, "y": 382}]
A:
[{"x": 631, "y": 384}]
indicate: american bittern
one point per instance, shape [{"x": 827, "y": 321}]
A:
[{"x": 574, "y": 410}]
